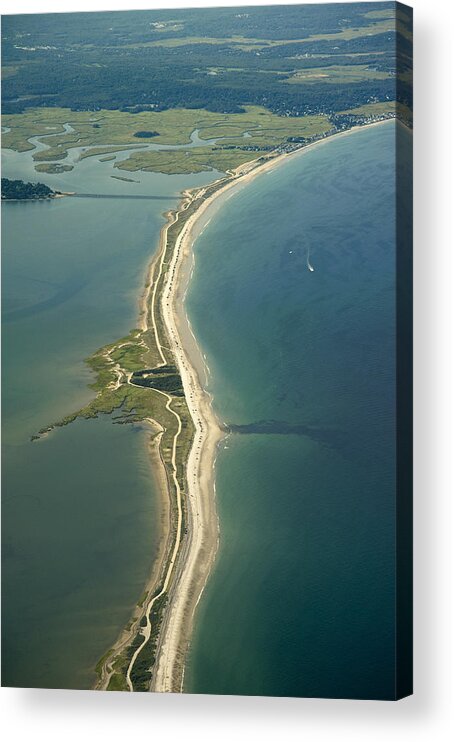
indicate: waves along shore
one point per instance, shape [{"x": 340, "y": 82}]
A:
[{"x": 155, "y": 375}]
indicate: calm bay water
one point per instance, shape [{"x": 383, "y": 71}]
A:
[
  {"x": 301, "y": 599},
  {"x": 80, "y": 507}
]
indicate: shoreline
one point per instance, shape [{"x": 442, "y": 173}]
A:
[
  {"x": 182, "y": 563},
  {"x": 104, "y": 667},
  {"x": 50, "y": 197},
  {"x": 196, "y": 558},
  {"x": 34, "y": 200}
]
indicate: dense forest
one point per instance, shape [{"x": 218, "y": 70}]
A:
[
  {"x": 219, "y": 59},
  {"x": 17, "y": 190}
]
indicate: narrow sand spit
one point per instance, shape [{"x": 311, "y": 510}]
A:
[{"x": 198, "y": 550}]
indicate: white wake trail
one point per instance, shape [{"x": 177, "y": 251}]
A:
[{"x": 310, "y": 267}]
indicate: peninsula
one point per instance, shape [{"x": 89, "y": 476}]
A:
[
  {"x": 155, "y": 375},
  {"x": 17, "y": 190},
  {"x": 187, "y": 107}
]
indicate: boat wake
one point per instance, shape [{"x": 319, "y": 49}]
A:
[{"x": 309, "y": 266}]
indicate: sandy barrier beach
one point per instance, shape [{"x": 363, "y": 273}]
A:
[{"x": 198, "y": 549}]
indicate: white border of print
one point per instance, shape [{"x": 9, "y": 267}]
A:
[{"x": 75, "y": 715}]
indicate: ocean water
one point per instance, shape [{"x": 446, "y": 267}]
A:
[
  {"x": 301, "y": 600},
  {"x": 81, "y": 512}
]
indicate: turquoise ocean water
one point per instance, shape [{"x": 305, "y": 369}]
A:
[{"x": 301, "y": 599}]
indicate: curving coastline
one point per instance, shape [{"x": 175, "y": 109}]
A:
[
  {"x": 198, "y": 550},
  {"x": 186, "y": 584}
]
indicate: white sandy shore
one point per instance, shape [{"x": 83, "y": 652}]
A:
[{"x": 199, "y": 549}]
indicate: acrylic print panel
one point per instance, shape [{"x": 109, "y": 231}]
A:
[{"x": 207, "y": 350}]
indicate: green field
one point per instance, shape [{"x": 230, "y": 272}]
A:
[
  {"x": 256, "y": 44},
  {"x": 336, "y": 74},
  {"x": 116, "y": 129},
  {"x": 382, "y": 109},
  {"x": 372, "y": 109},
  {"x": 197, "y": 160},
  {"x": 379, "y": 14},
  {"x": 96, "y": 151}
]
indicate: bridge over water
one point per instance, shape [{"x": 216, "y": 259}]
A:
[{"x": 119, "y": 195}]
